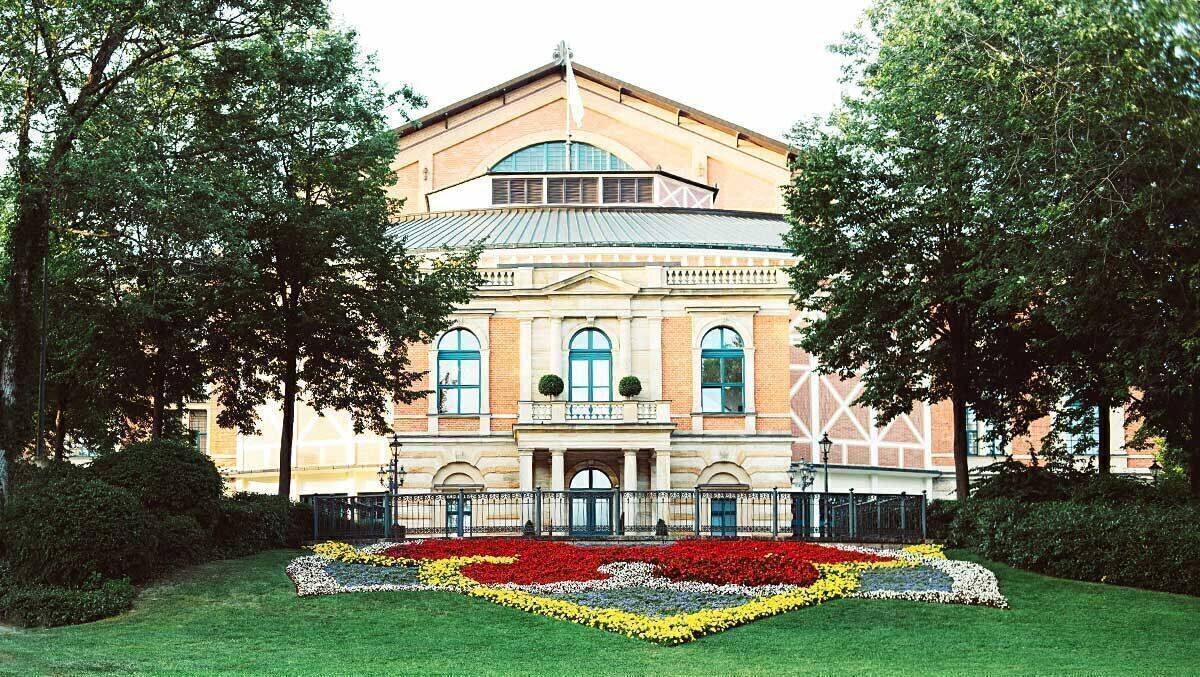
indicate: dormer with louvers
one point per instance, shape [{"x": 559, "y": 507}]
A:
[{"x": 542, "y": 175}]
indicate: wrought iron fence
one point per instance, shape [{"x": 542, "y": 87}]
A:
[{"x": 602, "y": 513}]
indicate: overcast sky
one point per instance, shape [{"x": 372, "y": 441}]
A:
[{"x": 762, "y": 65}]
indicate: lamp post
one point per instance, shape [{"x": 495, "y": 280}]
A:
[
  {"x": 825, "y": 445},
  {"x": 391, "y": 476},
  {"x": 801, "y": 474},
  {"x": 1154, "y": 468}
]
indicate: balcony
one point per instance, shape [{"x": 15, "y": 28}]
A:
[{"x": 627, "y": 412}]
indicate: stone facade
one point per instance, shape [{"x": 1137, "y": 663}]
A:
[{"x": 654, "y": 302}]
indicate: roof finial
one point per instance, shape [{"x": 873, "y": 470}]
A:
[{"x": 563, "y": 53}]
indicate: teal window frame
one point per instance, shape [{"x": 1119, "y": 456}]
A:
[
  {"x": 1071, "y": 440},
  {"x": 588, "y": 353},
  {"x": 452, "y": 513},
  {"x": 977, "y": 431},
  {"x": 550, "y": 156},
  {"x": 723, "y": 516},
  {"x": 727, "y": 349},
  {"x": 451, "y": 350}
]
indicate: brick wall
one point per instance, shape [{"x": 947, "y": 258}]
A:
[
  {"x": 412, "y": 417},
  {"x": 677, "y": 369},
  {"x": 504, "y": 373},
  {"x": 772, "y": 356},
  {"x": 728, "y": 423}
]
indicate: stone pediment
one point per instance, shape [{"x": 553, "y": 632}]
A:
[{"x": 591, "y": 282}]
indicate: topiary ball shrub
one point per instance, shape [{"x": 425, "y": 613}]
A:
[
  {"x": 68, "y": 529},
  {"x": 629, "y": 386},
  {"x": 551, "y": 385},
  {"x": 167, "y": 476}
]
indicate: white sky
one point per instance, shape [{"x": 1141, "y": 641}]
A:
[{"x": 763, "y": 65}]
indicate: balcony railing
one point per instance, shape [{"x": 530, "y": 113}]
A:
[
  {"x": 626, "y": 411},
  {"x": 721, "y": 277}
]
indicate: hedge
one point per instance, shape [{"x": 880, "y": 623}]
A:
[
  {"x": 168, "y": 477},
  {"x": 48, "y": 606},
  {"x": 1141, "y": 544}
]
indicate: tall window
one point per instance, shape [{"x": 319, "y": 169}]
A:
[
  {"x": 551, "y": 156},
  {"x": 591, "y": 366},
  {"x": 721, "y": 365},
  {"x": 198, "y": 425},
  {"x": 458, "y": 373},
  {"x": 724, "y": 517},
  {"x": 978, "y": 442},
  {"x": 1083, "y": 437}
]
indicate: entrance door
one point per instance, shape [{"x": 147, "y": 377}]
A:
[{"x": 591, "y": 503}]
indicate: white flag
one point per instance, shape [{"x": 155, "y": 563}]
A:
[
  {"x": 574, "y": 100},
  {"x": 562, "y": 54}
]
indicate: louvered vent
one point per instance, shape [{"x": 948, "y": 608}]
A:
[
  {"x": 628, "y": 189},
  {"x": 517, "y": 191},
  {"x": 571, "y": 190}
]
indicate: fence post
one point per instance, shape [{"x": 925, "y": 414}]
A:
[
  {"x": 537, "y": 511},
  {"x": 696, "y": 511},
  {"x": 853, "y": 513},
  {"x": 619, "y": 510},
  {"x": 460, "y": 513},
  {"x": 775, "y": 513},
  {"x": 387, "y": 515},
  {"x": 922, "y": 516},
  {"x": 316, "y": 506}
]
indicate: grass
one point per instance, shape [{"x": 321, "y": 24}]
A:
[{"x": 243, "y": 616}]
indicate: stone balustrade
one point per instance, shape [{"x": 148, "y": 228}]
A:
[{"x": 563, "y": 412}]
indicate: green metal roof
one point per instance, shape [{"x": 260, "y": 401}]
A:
[{"x": 506, "y": 228}]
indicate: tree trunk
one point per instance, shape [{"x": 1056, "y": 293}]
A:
[
  {"x": 1104, "y": 453},
  {"x": 962, "y": 473},
  {"x": 60, "y": 433},
  {"x": 289, "y": 420},
  {"x": 26, "y": 248}
]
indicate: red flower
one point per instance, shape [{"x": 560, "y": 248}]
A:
[{"x": 745, "y": 562}]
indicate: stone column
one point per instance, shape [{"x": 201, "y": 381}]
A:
[
  {"x": 629, "y": 484},
  {"x": 557, "y": 471},
  {"x": 662, "y": 470},
  {"x": 525, "y": 458}
]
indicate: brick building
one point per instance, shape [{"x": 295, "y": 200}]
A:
[{"x": 654, "y": 251}]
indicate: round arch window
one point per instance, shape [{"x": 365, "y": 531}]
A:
[{"x": 590, "y": 478}]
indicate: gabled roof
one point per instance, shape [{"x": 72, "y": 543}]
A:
[
  {"x": 625, "y": 88},
  {"x": 520, "y": 227}
]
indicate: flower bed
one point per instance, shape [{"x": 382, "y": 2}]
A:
[{"x": 668, "y": 594}]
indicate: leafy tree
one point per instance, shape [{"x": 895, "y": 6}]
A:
[
  {"x": 894, "y": 223},
  {"x": 60, "y": 65},
  {"x": 319, "y": 302}
]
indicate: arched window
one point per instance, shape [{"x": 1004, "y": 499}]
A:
[
  {"x": 590, "y": 366},
  {"x": 551, "y": 156},
  {"x": 458, "y": 373},
  {"x": 721, "y": 367},
  {"x": 590, "y": 478}
]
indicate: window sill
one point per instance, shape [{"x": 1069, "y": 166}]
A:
[
  {"x": 714, "y": 414},
  {"x": 457, "y": 415}
]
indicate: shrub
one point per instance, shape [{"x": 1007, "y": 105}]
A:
[
  {"x": 180, "y": 541},
  {"x": 939, "y": 516},
  {"x": 1147, "y": 545},
  {"x": 167, "y": 476},
  {"x": 1031, "y": 483},
  {"x": 550, "y": 385},
  {"x": 629, "y": 386},
  {"x": 300, "y": 525},
  {"x": 252, "y": 522},
  {"x": 48, "y": 606},
  {"x": 65, "y": 529}
]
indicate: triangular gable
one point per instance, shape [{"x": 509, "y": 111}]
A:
[{"x": 591, "y": 282}]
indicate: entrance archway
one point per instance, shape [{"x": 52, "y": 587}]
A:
[{"x": 590, "y": 495}]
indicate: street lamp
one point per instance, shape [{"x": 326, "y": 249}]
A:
[
  {"x": 391, "y": 474},
  {"x": 802, "y": 474},
  {"x": 1154, "y": 468},
  {"x": 825, "y": 445}
]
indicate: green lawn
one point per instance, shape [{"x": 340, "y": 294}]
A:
[{"x": 243, "y": 615}]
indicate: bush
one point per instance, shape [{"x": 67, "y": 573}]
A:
[
  {"x": 629, "y": 386},
  {"x": 1030, "y": 483},
  {"x": 939, "y": 516},
  {"x": 67, "y": 528},
  {"x": 550, "y": 385},
  {"x": 48, "y": 606},
  {"x": 300, "y": 525},
  {"x": 1141, "y": 544},
  {"x": 167, "y": 476},
  {"x": 252, "y": 522},
  {"x": 180, "y": 541}
]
